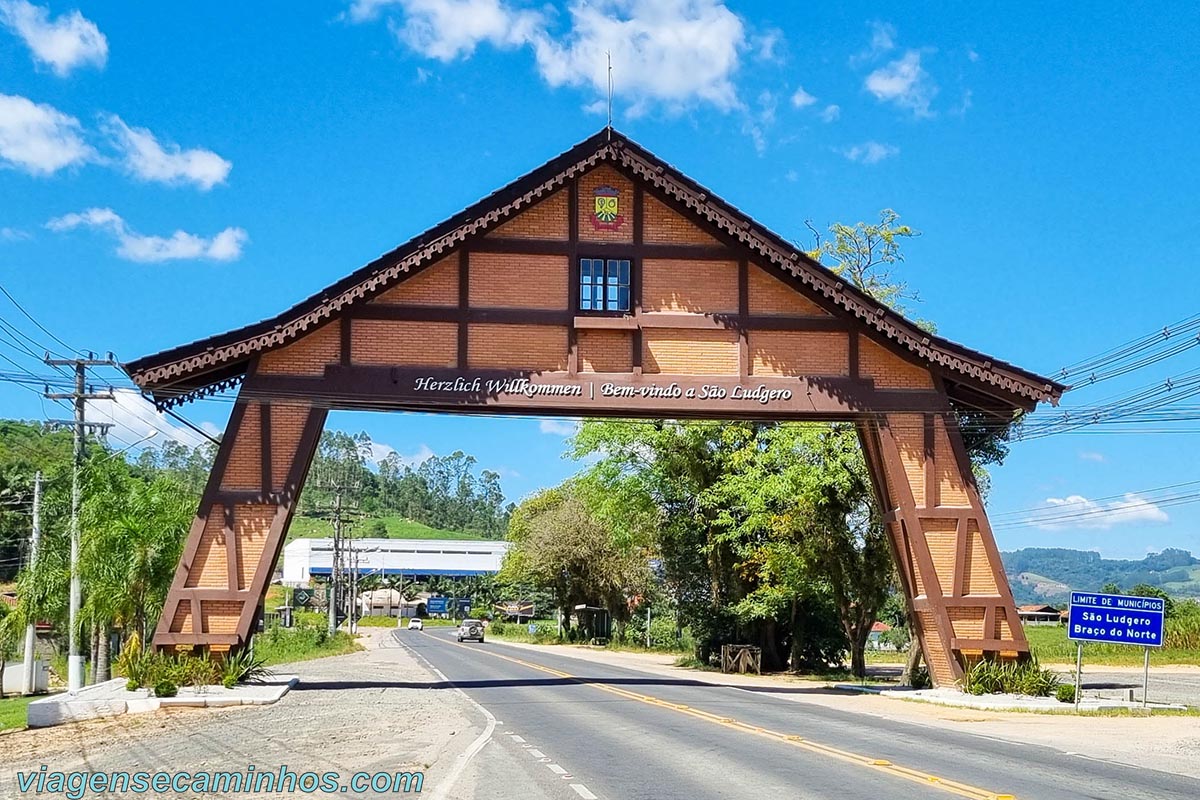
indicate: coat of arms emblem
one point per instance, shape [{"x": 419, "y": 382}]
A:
[{"x": 606, "y": 215}]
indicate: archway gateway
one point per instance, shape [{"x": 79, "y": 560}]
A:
[{"x": 603, "y": 283}]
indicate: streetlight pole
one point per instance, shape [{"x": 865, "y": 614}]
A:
[
  {"x": 80, "y": 397},
  {"x": 29, "y": 682}
]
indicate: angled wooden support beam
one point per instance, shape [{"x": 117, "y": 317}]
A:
[{"x": 236, "y": 537}]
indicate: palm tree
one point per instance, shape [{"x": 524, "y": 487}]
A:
[{"x": 133, "y": 533}]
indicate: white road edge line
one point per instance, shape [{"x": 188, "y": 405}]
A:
[
  {"x": 582, "y": 791},
  {"x": 556, "y": 769},
  {"x": 518, "y": 739},
  {"x": 456, "y": 771},
  {"x": 537, "y": 754}
]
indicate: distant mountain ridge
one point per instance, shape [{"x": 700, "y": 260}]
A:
[{"x": 1048, "y": 574}]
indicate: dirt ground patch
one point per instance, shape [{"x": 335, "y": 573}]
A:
[{"x": 368, "y": 711}]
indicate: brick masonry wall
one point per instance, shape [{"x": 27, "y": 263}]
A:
[
  {"x": 795, "y": 353},
  {"x": 287, "y": 424},
  {"x": 588, "y": 183},
  {"x": 662, "y": 225},
  {"x": 210, "y": 566},
  {"x": 251, "y": 523},
  {"x": 390, "y": 342},
  {"x": 692, "y": 352},
  {"x": 508, "y": 280},
  {"x": 770, "y": 295},
  {"x": 699, "y": 287},
  {"x": 436, "y": 285},
  {"x": 605, "y": 351},
  {"x": 220, "y": 616},
  {"x": 545, "y": 220},
  {"x": 888, "y": 369},
  {"x": 305, "y": 356},
  {"x": 244, "y": 470},
  {"x": 542, "y": 348}
]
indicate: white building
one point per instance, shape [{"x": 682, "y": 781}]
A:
[{"x": 304, "y": 559}]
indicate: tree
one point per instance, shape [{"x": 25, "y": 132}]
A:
[
  {"x": 133, "y": 532},
  {"x": 560, "y": 545}
]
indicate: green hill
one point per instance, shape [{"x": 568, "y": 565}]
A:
[
  {"x": 397, "y": 528},
  {"x": 1048, "y": 574}
]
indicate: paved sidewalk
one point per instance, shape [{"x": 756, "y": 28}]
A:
[{"x": 1167, "y": 743}]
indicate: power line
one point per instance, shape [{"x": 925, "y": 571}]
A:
[{"x": 41, "y": 327}]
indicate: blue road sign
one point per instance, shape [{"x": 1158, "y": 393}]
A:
[
  {"x": 1116, "y": 618},
  {"x": 436, "y": 605},
  {"x": 464, "y": 605}
]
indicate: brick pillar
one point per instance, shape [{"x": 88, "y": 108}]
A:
[
  {"x": 942, "y": 543},
  {"x": 240, "y": 526}
]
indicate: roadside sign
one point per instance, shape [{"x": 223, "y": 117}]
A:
[
  {"x": 436, "y": 605},
  {"x": 532, "y": 628},
  {"x": 1116, "y": 619},
  {"x": 464, "y": 605},
  {"x": 301, "y": 597},
  {"x": 514, "y": 608}
]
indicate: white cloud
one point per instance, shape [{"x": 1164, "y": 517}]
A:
[
  {"x": 145, "y": 158},
  {"x": 1083, "y": 513},
  {"x": 559, "y": 427},
  {"x": 134, "y": 417},
  {"x": 450, "y": 29},
  {"x": 673, "y": 52},
  {"x": 904, "y": 83},
  {"x": 802, "y": 99},
  {"x": 669, "y": 52},
  {"x": 870, "y": 152},
  {"x": 380, "y": 452},
  {"x": 225, "y": 246},
  {"x": 883, "y": 40},
  {"x": 831, "y": 113},
  {"x": 63, "y": 43},
  {"x": 14, "y": 234},
  {"x": 766, "y": 46},
  {"x": 38, "y": 138},
  {"x": 1087, "y": 455}
]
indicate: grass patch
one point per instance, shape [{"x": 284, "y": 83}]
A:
[
  {"x": 12, "y": 711},
  {"x": 1050, "y": 645},
  {"x": 302, "y": 643},
  {"x": 378, "y": 621},
  {"x": 397, "y": 528}
]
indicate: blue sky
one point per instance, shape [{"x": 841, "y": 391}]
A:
[{"x": 174, "y": 170}]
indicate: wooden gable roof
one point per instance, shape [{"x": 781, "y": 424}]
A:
[{"x": 218, "y": 362}]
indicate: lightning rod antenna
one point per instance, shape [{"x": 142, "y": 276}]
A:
[{"x": 610, "y": 93}]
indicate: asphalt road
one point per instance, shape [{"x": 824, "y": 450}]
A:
[{"x": 582, "y": 729}]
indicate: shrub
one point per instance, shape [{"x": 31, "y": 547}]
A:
[
  {"x": 242, "y": 667},
  {"x": 1065, "y": 693},
  {"x": 919, "y": 678},
  {"x": 131, "y": 662},
  {"x": 165, "y": 688},
  {"x": 1009, "y": 677},
  {"x": 132, "y": 686}
]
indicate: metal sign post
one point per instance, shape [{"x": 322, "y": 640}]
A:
[
  {"x": 1146, "y": 679},
  {"x": 1079, "y": 671},
  {"x": 1116, "y": 619}
]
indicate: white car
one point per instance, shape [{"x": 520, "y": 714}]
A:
[
  {"x": 471, "y": 629},
  {"x": 415, "y": 624}
]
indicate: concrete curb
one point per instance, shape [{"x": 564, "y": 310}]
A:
[{"x": 110, "y": 699}]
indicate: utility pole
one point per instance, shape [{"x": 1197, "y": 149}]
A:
[
  {"x": 335, "y": 565},
  {"x": 353, "y": 561},
  {"x": 28, "y": 678},
  {"x": 80, "y": 397}
]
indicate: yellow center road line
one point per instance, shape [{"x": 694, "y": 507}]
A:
[{"x": 876, "y": 764}]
